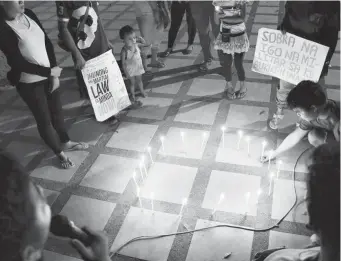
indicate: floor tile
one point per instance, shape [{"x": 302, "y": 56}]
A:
[
  {"x": 51, "y": 196},
  {"x": 247, "y": 117},
  {"x": 333, "y": 77},
  {"x": 25, "y": 151},
  {"x": 52, "y": 256},
  {"x": 118, "y": 24},
  {"x": 50, "y": 167},
  {"x": 259, "y": 92},
  {"x": 284, "y": 198},
  {"x": 147, "y": 223},
  {"x": 7, "y": 95},
  {"x": 173, "y": 63},
  {"x": 335, "y": 60},
  {"x": 132, "y": 136},
  {"x": 228, "y": 150},
  {"x": 235, "y": 187},
  {"x": 88, "y": 212},
  {"x": 94, "y": 131},
  {"x": 205, "y": 87},
  {"x": 266, "y": 19},
  {"x": 10, "y": 120},
  {"x": 251, "y": 52},
  {"x": 168, "y": 182},
  {"x": 211, "y": 244},
  {"x": 198, "y": 112},
  {"x": 171, "y": 88},
  {"x": 173, "y": 145},
  {"x": 153, "y": 108},
  {"x": 71, "y": 100},
  {"x": 290, "y": 157},
  {"x": 333, "y": 94},
  {"x": 279, "y": 239},
  {"x": 111, "y": 173}
]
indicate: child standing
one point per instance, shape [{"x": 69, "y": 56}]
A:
[{"x": 132, "y": 60}]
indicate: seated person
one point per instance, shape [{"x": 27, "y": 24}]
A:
[
  {"x": 323, "y": 204},
  {"x": 319, "y": 118},
  {"x": 25, "y": 219}
]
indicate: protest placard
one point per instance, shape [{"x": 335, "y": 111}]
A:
[
  {"x": 105, "y": 85},
  {"x": 288, "y": 57}
]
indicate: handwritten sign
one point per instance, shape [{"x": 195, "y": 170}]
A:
[
  {"x": 288, "y": 57},
  {"x": 105, "y": 86}
]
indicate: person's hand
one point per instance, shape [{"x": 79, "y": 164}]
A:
[
  {"x": 140, "y": 40},
  {"x": 54, "y": 84},
  {"x": 79, "y": 62},
  {"x": 98, "y": 250},
  {"x": 56, "y": 71},
  {"x": 336, "y": 131},
  {"x": 268, "y": 155}
]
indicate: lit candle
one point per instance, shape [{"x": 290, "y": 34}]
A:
[
  {"x": 279, "y": 163},
  {"x": 263, "y": 148},
  {"x": 219, "y": 202},
  {"x": 271, "y": 181},
  {"x": 138, "y": 195},
  {"x": 223, "y": 128},
  {"x": 182, "y": 134},
  {"x": 240, "y": 134},
  {"x": 134, "y": 177},
  {"x": 144, "y": 165},
  {"x": 247, "y": 199},
  {"x": 271, "y": 152},
  {"x": 204, "y": 136},
  {"x": 149, "y": 149},
  {"x": 259, "y": 192},
  {"x": 184, "y": 202},
  {"x": 248, "y": 145},
  {"x": 162, "y": 139},
  {"x": 152, "y": 200},
  {"x": 141, "y": 171}
]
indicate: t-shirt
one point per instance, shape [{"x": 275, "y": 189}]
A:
[
  {"x": 311, "y": 254},
  {"x": 326, "y": 120},
  {"x": 92, "y": 41}
]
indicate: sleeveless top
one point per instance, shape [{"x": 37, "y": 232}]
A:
[{"x": 134, "y": 62}]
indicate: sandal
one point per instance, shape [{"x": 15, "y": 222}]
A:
[
  {"x": 66, "y": 163},
  {"x": 204, "y": 66},
  {"x": 158, "y": 64},
  {"x": 148, "y": 72},
  {"x": 166, "y": 53},
  {"x": 240, "y": 94},
  {"x": 230, "y": 95},
  {"x": 78, "y": 146},
  {"x": 188, "y": 50}
]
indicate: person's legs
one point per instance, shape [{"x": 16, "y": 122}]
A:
[
  {"x": 202, "y": 21},
  {"x": 82, "y": 86},
  {"x": 132, "y": 88},
  {"x": 191, "y": 28},
  {"x": 139, "y": 82},
  {"x": 281, "y": 101},
  {"x": 177, "y": 13},
  {"x": 226, "y": 71},
  {"x": 238, "y": 62},
  {"x": 34, "y": 96}
]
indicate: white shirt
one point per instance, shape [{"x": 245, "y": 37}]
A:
[{"x": 31, "y": 45}]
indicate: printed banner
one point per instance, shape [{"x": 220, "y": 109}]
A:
[
  {"x": 105, "y": 85},
  {"x": 288, "y": 57}
]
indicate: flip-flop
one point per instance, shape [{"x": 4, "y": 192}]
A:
[
  {"x": 188, "y": 50},
  {"x": 66, "y": 163},
  {"x": 230, "y": 95},
  {"x": 78, "y": 146},
  {"x": 166, "y": 53},
  {"x": 148, "y": 73},
  {"x": 135, "y": 105},
  {"x": 158, "y": 64},
  {"x": 240, "y": 95}
]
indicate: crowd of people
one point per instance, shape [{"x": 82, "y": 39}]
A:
[{"x": 24, "y": 214}]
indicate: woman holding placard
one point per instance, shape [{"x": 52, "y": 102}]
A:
[{"x": 232, "y": 43}]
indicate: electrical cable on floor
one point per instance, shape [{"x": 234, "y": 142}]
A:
[{"x": 225, "y": 225}]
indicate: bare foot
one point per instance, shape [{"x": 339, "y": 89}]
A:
[
  {"x": 72, "y": 145},
  {"x": 65, "y": 161}
]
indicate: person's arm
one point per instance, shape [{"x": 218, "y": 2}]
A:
[
  {"x": 124, "y": 63},
  {"x": 336, "y": 131},
  {"x": 65, "y": 35},
  {"x": 290, "y": 141},
  {"x": 284, "y": 25}
]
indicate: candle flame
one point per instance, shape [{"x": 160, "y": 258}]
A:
[
  {"x": 162, "y": 138},
  {"x": 259, "y": 192},
  {"x": 184, "y": 201},
  {"x": 222, "y": 196},
  {"x": 149, "y": 149},
  {"x": 223, "y": 128},
  {"x": 264, "y": 143},
  {"x": 240, "y": 133}
]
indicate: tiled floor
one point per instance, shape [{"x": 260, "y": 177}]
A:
[{"x": 196, "y": 159}]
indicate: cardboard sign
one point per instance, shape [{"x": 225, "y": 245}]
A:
[
  {"x": 288, "y": 57},
  {"x": 105, "y": 85}
]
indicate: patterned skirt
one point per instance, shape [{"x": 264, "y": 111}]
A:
[{"x": 238, "y": 44}]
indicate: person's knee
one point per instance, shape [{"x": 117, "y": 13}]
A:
[{"x": 316, "y": 137}]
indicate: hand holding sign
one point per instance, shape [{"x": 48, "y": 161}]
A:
[{"x": 288, "y": 57}]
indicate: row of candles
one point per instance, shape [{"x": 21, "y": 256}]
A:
[{"x": 143, "y": 169}]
